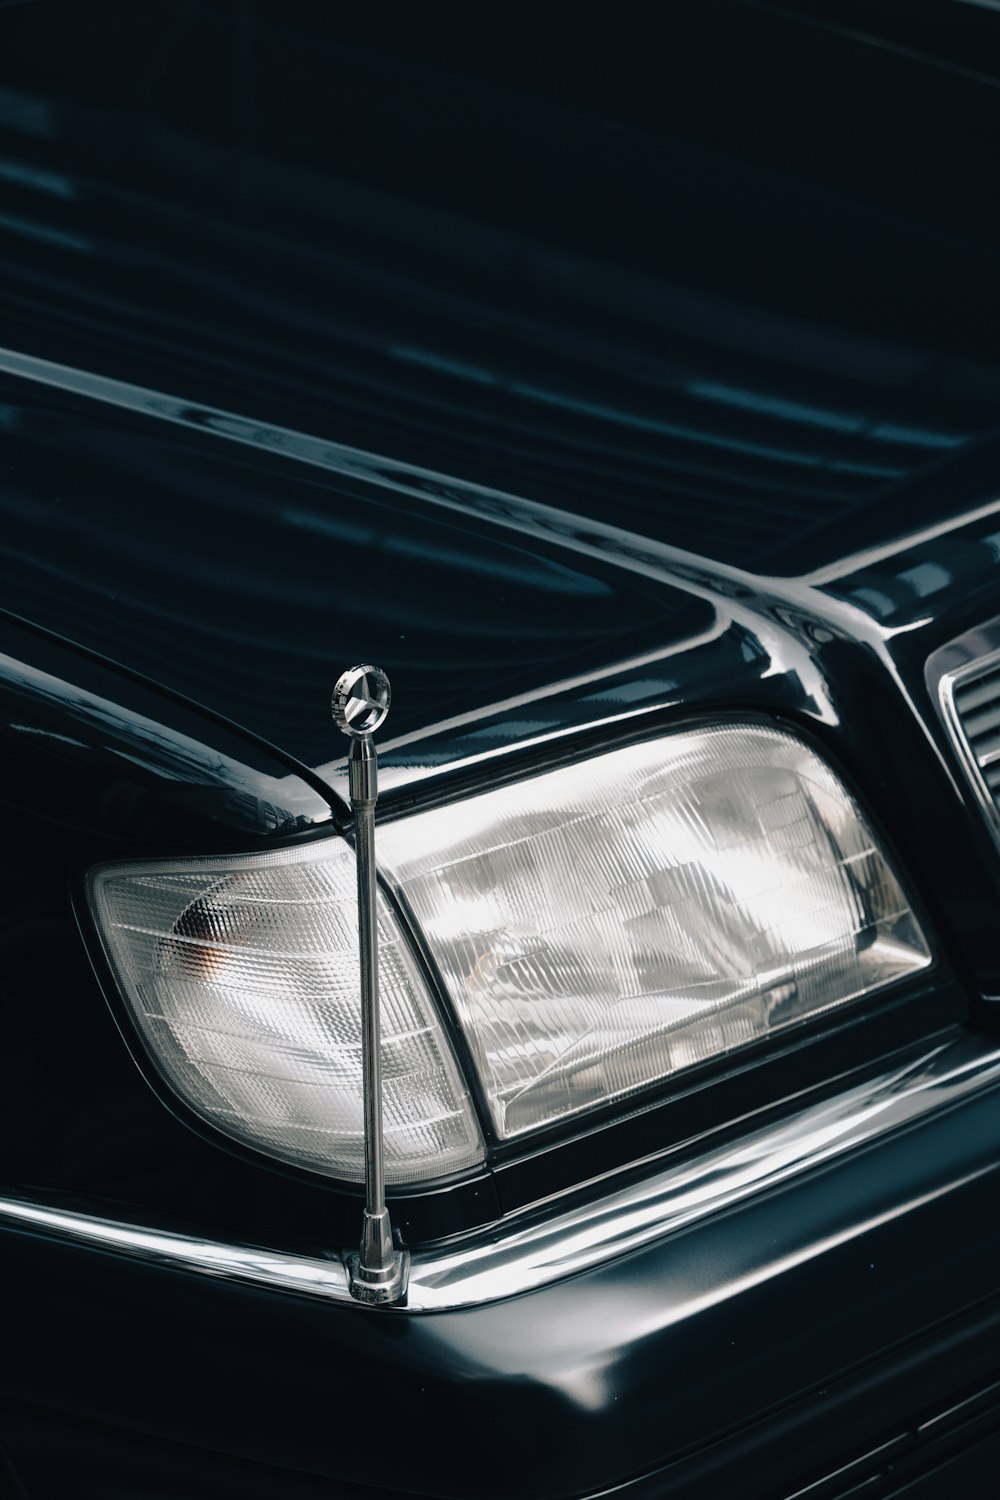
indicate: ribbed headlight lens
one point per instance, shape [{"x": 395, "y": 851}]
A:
[
  {"x": 605, "y": 925},
  {"x": 242, "y": 978},
  {"x": 597, "y": 928}
]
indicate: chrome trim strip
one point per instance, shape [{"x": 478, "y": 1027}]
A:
[
  {"x": 273, "y": 1268},
  {"x": 519, "y": 1257},
  {"x": 681, "y": 1195}
]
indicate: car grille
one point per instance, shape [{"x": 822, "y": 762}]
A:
[
  {"x": 965, "y": 678},
  {"x": 976, "y": 700}
]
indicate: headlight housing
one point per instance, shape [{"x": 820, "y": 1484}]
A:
[{"x": 597, "y": 929}]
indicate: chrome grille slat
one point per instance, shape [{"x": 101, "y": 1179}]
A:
[
  {"x": 977, "y": 709},
  {"x": 982, "y": 724},
  {"x": 985, "y": 747},
  {"x": 963, "y": 678},
  {"x": 982, "y": 690},
  {"x": 970, "y": 702}
]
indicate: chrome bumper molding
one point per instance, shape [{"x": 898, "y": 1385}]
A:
[{"x": 516, "y": 1257}]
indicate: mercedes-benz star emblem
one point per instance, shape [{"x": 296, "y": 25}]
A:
[{"x": 361, "y": 700}]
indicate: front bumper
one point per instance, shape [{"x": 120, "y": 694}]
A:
[{"x": 807, "y": 1322}]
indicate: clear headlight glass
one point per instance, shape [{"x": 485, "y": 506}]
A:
[
  {"x": 605, "y": 925},
  {"x": 598, "y": 928},
  {"x": 241, "y": 976}
]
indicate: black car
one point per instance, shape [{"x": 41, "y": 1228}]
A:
[{"x": 633, "y": 400}]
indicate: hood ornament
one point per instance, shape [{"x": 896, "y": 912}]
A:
[{"x": 377, "y": 1271}]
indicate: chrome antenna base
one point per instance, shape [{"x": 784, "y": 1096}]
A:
[{"x": 377, "y": 1272}]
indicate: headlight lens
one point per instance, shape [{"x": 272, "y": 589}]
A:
[
  {"x": 598, "y": 928},
  {"x": 603, "y": 926},
  {"x": 242, "y": 978}
]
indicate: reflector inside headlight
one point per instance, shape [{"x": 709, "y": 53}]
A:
[
  {"x": 602, "y": 926},
  {"x": 242, "y": 977}
]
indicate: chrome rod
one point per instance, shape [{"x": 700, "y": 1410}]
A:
[
  {"x": 371, "y": 1056},
  {"x": 377, "y": 1272}
]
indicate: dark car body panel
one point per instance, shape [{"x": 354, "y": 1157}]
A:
[
  {"x": 591, "y": 406},
  {"x": 747, "y": 1328}
]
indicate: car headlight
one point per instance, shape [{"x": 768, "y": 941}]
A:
[
  {"x": 597, "y": 928},
  {"x": 241, "y": 975}
]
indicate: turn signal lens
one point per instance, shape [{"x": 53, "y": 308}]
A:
[{"x": 241, "y": 976}]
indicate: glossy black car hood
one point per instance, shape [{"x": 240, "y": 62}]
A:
[
  {"x": 246, "y": 582},
  {"x": 668, "y": 326}
]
